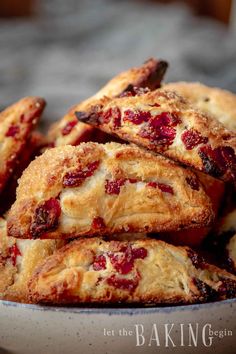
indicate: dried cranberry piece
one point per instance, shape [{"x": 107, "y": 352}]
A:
[
  {"x": 165, "y": 119},
  {"x": 106, "y": 116},
  {"x": 13, "y": 130},
  {"x": 161, "y": 137},
  {"x": 136, "y": 117},
  {"x": 192, "y": 138},
  {"x": 116, "y": 115},
  {"x": 99, "y": 262},
  {"x": 160, "y": 129},
  {"x": 163, "y": 187},
  {"x": 123, "y": 283},
  {"x": 139, "y": 253},
  {"x": 123, "y": 261},
  {"x": 217, "y": 161},
  {"x": 22, "y": 118},
  {"x": 77, "y": 177},
  {"x": 14, "y": 252},
  {"x": 193, "y": 182},
  {"x": 98, "y": 223},
  {"x": 227, "y": 155},
  {"x": 208, "y": 159},
  {"x": 68, "y": 127},
  {"x": 46, "y": 217},
  {"x": 113, "y": 187}
]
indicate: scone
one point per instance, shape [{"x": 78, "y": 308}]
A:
[
  {"x": 95, "y": 189},
  {"x": 16, "y": 124},
  {"x": 68, "y": 131},
  {"x": 143, "y": 271},
  {"x": 31, "y": 149},
  {"x": 219, "y": 103},
  {"x": 164, "y": 122},
  {"x": 18, "y": 259}
]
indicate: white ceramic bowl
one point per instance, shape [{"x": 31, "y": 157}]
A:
[{"x": 55, "y": 330}]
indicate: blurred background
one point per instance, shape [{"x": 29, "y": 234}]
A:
[{"x": 66, "y": 50}]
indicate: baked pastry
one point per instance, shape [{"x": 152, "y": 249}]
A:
[
  {"x": 219, "y": 103},
  {"x": 16, "y": 124},
  {"x": 142, "y": 271},
  {"x": 31, "y": 149},
  {"x": 18, "y": 259},
  {"x": 68, "y": 131},
  {"x": 231, "y": 254},
  {"x": 95, "y": 189},
  {"x": 165, "y": 123}
]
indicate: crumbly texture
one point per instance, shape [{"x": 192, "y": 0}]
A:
[
  {"x": 68, "y": 131},
  {"x": 95, "y": 189},
  {"x": 164, "y": 122},
  {"x": 142, "y": 271},
  {"x": 231, "y": 253},
  {"x": 16, "y": 124},
  {"x": 214, "y": 101},
  {"x": 18, "y": 260}
]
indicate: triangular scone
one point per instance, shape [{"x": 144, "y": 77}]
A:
[
  {"x": 18, "y": 260},
  {"x": 68, "y": 131},
  {"x": 219, "y": 103},
  {"x": 95, "y": 189},
  {"x": 164, "y": 122},
  {"x": 16, "y": 124},
  {"x": 142, "y": 271}
]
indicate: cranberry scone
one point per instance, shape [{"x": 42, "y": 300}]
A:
[
  {"x": 165, "y": 123},
  {"x": 219, "y": 103},
  {"x": 95, "y": 189},
  {"x": 16, "y": 124},
  {"x": 143, "y": 271},
  {"x": 18, "y": 260},
  {"x": 71, "y": 132}
]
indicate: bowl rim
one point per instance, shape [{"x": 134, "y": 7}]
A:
[{"x": 117, "y": 310}]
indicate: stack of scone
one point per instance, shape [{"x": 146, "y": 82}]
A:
[{"x": 121, "y": 188}]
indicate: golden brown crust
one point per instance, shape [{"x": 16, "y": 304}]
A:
[
  {"x": 68, "y": 131},
  {"x": 18, "y": 259},
  {"x": 96, "y": 189},
  {"x": 219, "y": 103},
  {"x": 165, "y": 123},
  {"x": 16, "y": 124},
  {"x": 143, "y": 271}
]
